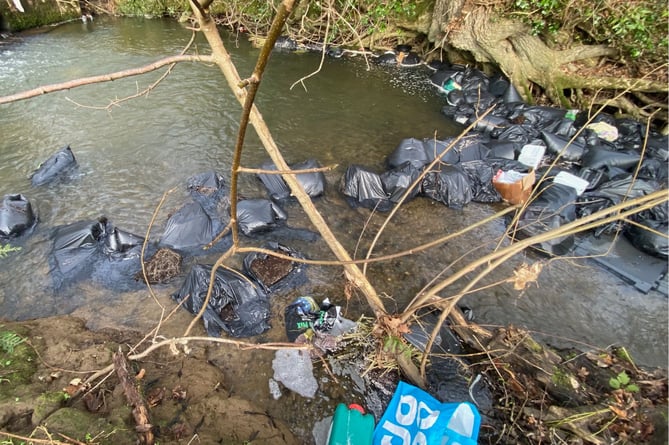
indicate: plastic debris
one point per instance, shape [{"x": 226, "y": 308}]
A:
[
  {"x": 414, "y": 416},
  {"x": 293, "y": 368}
]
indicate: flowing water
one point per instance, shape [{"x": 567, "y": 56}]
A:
[{"x": 132, "y": 152}]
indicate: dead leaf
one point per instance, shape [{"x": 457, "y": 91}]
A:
[
  {"x": 155, "y": 396},
  {"x": 140, "y": 374},
  {"x": 618, "y": 412},
  {"x": 525, "y": 274}
]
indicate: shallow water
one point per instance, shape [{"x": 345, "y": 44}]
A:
[{"x": 132, "y": 153}]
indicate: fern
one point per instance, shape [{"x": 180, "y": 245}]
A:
[
  {"x": 9, "y": 340},
  {"x": 5, "y": 249}
]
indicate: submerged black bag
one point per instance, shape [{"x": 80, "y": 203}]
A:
[
  {"x": 258, "y": 215},
  {"x": 96, "y": 250},
  {"x": 312, "y": 182},
  {"x": 58, "y": 165},
  {"x": 237, "y": 305},
  {"x": 274, "y": 273},
  {"x": 363, "y": 188},
  {"x": 16, "y": 216}
]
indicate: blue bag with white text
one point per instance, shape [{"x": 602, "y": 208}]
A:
[{"x": 414, "y": 417}]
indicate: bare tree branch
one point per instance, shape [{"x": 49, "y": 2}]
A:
[{"x": 45, "y": 89}]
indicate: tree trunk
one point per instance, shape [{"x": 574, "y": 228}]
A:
[{"x": 523, "y": 57}]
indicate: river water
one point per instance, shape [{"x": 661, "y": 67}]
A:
[{"x": 132, "y": 152}]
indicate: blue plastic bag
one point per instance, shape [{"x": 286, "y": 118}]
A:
[{"x": 414, "y": 417}]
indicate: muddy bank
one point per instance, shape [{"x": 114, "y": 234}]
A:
[
  {"x": 198, "y": 394},
  {"x": 40, "y": 385}
]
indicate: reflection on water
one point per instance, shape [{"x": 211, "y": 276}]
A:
[{"x": 133, "y": 152}]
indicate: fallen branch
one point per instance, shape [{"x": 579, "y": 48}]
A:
[
  {"x": 45, "y": 89},
  {"x": 139, "y": 410}
]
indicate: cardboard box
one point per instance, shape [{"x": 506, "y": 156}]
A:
[{"x": 514, "y": 187}]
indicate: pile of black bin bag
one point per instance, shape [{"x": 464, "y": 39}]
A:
[
  {"x": 606, "y": 153},
  {"x": 98, "y": 251}
]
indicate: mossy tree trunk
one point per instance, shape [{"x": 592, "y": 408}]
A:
[{"x": 466, "y": 26}]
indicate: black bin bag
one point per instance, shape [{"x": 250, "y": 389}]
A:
[
  {"x": 409, "y": 150},
  {"x": 649, "y": 236},
  {"x": 397, "y": 181},
  {"x": 258, "y": 215},
  {"x": 272, "y": 273},
  {"x": 450, "y": 185},
  {"x": 57, "y": 166},
  {"x": 210, "y": 190},
  {"x": 95, "y": 250},
  {"x": 552, "y": 207},
  {"x": 237, "y": 305},
  {"x": 16, "y": 216},
  {"x": 190, "y": 228},
  {"x": 200, "y": 219},
  {"x": 312, "y": 182},
  {"x": 363, "y": 188}
]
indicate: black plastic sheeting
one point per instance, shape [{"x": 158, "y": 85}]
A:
[
  {"x": 237, "y": 305},
  {"x": 58, "y": 166},
  {"x": 95, "y": 250},
  {"x": 17, "y": 216}
]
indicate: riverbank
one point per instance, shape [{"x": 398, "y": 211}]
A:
[
  {"x": 537, "y": 394},
  {"x": 528, "y": 389}
]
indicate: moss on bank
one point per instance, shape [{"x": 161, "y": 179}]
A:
[{"x": 36, "y": 14}]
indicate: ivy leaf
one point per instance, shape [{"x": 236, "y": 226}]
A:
[
  {"x": 632, "y": 388},
  {"x": 614, "y": 383},
  {"x": 623, "y": 378}
]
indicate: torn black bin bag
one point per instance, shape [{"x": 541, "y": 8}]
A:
[
  {"x": 409, "y": 150},
  {"x": 537, "y": 116},
  {"x": 57, "y": 166},
  {"x": 471, "y": 148},
  {"x": 16, "y": 216},
  {"x": 450, "y": 185},
  {"x": 258, "y": 215},
  {"x": 190, "y": 228},
  {"x": 363, "y": 188},
  {"x": 397, "y": 181},
  {"x": 313, "y": 183},
  {"x": 558, "y": 145},
  {"x": 518, "y": 133},
  {"x": 490, "y": 123},
  {"x": 237, "y": 305},
  {"x": 210, "y": 190},
  {"x": 553, "y": 206},
  {"x": 272, "y": 273},
  {"x": 97, "y": 250}
]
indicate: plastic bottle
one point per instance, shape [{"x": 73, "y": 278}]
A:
[{"x": 351, "y": 426}]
